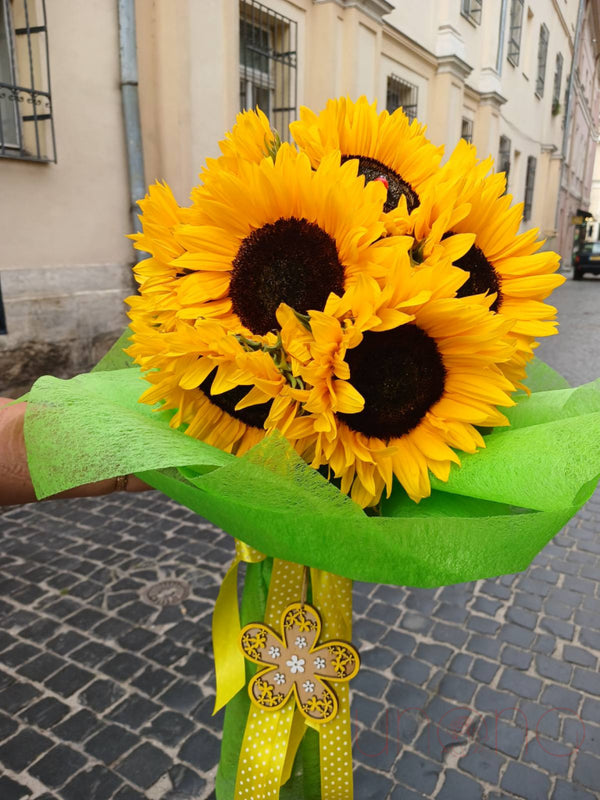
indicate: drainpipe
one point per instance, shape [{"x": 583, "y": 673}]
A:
[
  {"x": 569, "y": 105},
  {"x": 131, "y": 109},
  {"x": 501, "y": 33}
]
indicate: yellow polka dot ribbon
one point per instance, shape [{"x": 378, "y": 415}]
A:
[
  {"x": 332, "y": 595},
  {"x": 230, "y": 670},
  {"x": 272, "y": 737},
  {"x": 264, "y": 750}
]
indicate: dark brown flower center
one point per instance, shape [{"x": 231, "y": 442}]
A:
[
  {"x": 482, "y": 275},
  {"x": 291, "y": 261},
  {"x": 400, "y": 374},
  {"x": 254, "y": 416},
  {"x": 397, "y": 186}
]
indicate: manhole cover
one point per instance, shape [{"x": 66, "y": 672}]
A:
[{"x": 167, "y": 593}]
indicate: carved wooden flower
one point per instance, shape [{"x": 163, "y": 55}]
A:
[{"x": 296, "y": 664}]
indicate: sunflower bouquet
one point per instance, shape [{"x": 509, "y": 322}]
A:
[{"x": 334, "y": 339}]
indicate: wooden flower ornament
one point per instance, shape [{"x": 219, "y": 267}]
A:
[{"x": 296, "y": 664}]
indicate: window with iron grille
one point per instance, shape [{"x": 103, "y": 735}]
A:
[
  {"x": 2, "y": 315},
  {"x": 268, "y": 62},
  {"x": 466, "y": 130},
  {"x": 504, "y": 156},
  {"x": 26, "y": 125},
  {"x": 402, "y": 94},
  {"x": 514, "y": 34},
  {"x": 557, "y": 81},
  {"x": 542, "y": 56},
  {"x": 529, "y": 184},
  {"x": 471, "y": 9}
]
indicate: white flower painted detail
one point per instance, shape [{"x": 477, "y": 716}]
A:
[
  {"x": 319, "y": 663},
  {"x": 279, "y": 678},
  {"x": 274, "y": 652},
  {"x": 295, "y": 664},
  {"x": 308, "y": 686},
  {"x": 300, "y": 641}
]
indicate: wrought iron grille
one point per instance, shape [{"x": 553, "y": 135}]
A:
[
  {"x": 529, "y": 185},
  {"x": 514, "y": 36},
  {"x": 557, "y": 82},
  {"x": 268, "y": 64},
  {"x": 402, "y": 94},
  {"x": 541, "y": 65},
  {"x": 26, "y": 124},
  {"x": 504, "y": 156}
]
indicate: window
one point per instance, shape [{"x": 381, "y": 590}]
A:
[
  {"x": 504, "y": 156},
  {"x": 268, "y": 43},
  {"x": 2, "y": 315},
  {"x": 26, "y": 125},
  {"x": 401, "y": 94},
  {"x": 471, "y": 9},
  {"x": 557, "y": 81},
  {"x": 541, "y": 62},
  {"x": 466, "y": 130},
  {"x": 514, "y": 34},
  {"x": 529, "y": 184}
]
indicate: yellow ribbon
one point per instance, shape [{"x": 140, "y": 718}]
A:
[
  {"x": 265, "y": 757},
  {"x": 332, "y": 596},
  {"x": 271, "y": 738},
  {"x": 230, "y": 668}
]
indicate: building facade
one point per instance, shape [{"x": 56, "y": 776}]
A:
[{"x": 519, "y": 79}]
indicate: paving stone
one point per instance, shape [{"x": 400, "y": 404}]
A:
[
  {"x": 552, "y": 757},
  {"x": 123, "y": 666},
  {"x": 587, "y": 770},
  {"x": 69, "y": 680},
  {"x": 513, "y": 657},
  {"x": 97, "y": 783},
  {"x": 412, "y": 670},
  {"x": 460, "y": 786},
  {"x": 586, "y": 680},
  {"x": 11, "y": 790},
  {"x": 144, "y": 766},
  {"x": 519, "y": 683},
  {"x": 567, "y": 791},
  {"x": 111, "y": 743},
  {"x": 371, "y": 785},
  {"x": 483, "y": 763},
  {"x": 78, "y": 727},
  {"x": 40, "y": 668},
  {"x": 417, "y": 772},
  {"x": 45, "y": 713},
  {"x": 375, "y": 751},
  {"x": 170, "y": 728},
  {"x": 101, "y": 694},
  {"x": 525, "y": 782},
  {"x": 134, "y": 711},
  {"x": 577, "y": 655},
  {"x": 434, "y": 653},
  {"x": 186, "y": 783},
  {"x": 553, "y": 669},
  {"x": 200, "y": 750},
  {"x": 23, "y": 749},
  {"x": 16, "y": 696}
]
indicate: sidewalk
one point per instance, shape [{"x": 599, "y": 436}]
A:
[{"x": 106, "y": 682}]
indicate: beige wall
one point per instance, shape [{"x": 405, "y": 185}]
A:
[{"x": 64, "y": 261}]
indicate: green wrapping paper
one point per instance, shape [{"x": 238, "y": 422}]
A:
[{"x": 492, "y": 516}]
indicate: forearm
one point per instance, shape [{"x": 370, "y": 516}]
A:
[{"x": 15, "y": 481}]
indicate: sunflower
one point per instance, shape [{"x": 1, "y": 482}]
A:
[
  {"x": 502, "y": 262},
  {"x": 387, "y": 146},
  {"x": 161, "y": 214},
  {"x": 410, "y": 393},
  {"x": 251, "y": 139},
  {"x": 221, "y": 388},
  {"x": 276, "y": 232}
]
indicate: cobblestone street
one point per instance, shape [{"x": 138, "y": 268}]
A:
[{"x": 485, "y": 690}]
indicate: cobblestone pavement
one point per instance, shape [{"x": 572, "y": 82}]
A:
[{"x": 480, "y": 690}]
